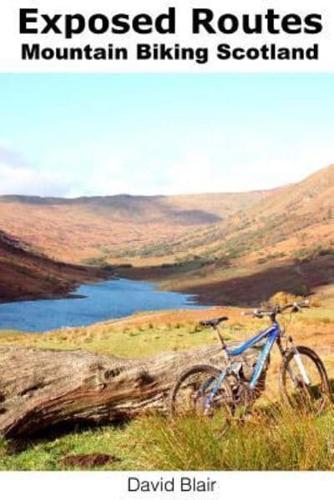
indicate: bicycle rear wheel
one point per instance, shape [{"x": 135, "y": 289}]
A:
[
  {"x": 192, "y": 393},
  {"x": 304, "y": 381}
]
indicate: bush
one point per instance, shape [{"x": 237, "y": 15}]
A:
[{"x": 282, "y": 298}]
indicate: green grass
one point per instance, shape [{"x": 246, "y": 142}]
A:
[
  {"x": 128, "y": 342},
  {"x": 280, "y": 440},
  {"x": 47, "y": 454},
  {"x": 319, "y": 315}
]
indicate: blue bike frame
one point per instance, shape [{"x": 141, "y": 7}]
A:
[{"x": 271, "y": 334}]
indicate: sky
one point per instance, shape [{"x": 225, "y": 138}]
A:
[{"x": 82, "y": 135}]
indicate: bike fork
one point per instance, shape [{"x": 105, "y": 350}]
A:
[
  {"x": 301, "y": 367},
  {"x": 299, "y": 364}
]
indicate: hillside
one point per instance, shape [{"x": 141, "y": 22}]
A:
[
  {"x": 100, "y": 229},
  {"x": 286, "y": 220},
  {"x": 26, "y": 275},
  {"x": 284, "y": 241},
  {"x": 225, "y": 247}
]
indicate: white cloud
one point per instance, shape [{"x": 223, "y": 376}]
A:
[
  {"x": 9, "y": 156},
  {"x": 17, "y": 176},
  {"x": 223, "y": 167},
  {"x": 105, "y": 178},
  {"x": 28, "y": 181}
]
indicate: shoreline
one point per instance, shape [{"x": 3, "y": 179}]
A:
[
  {"x": 67, "y": 291},
  {"x": 114, "y": 293},
  {"x": 250, "y": 288},
  {"x": 246, "y": 290}
]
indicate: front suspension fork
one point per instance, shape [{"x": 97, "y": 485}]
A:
[{"x": 298, "y": 360}]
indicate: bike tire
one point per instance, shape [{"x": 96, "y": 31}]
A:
[
  {"x": 312, "y": 396},
  {"x": 208, "y": 371}
]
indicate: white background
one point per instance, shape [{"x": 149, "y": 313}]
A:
[
  {"x": 113, "y": 486},
  {"x": 10, "y": 40}
]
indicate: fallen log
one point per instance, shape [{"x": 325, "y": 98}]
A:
[{"x": 40, "y": 389}]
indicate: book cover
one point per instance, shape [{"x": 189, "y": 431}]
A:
[{"x": 166, "y": 247}]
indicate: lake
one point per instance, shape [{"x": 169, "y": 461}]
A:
[{"x": 95, "y": 302}]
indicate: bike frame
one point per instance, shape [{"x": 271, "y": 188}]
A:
[{"x": 271, "y": 334}]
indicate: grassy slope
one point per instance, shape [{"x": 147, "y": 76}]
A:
[
  {"x": 27, "y": 275},
  {"x": 277, "y": 441}
]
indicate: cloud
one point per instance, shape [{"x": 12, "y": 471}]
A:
[
  {"x": 17, "y": 176},
  {"x": 115, "y": 176},
  {"x": 197, "y": 169},
  {"x": 104, "y": 178},
  {"x": 96, "y": 177},
  {"x": 10, "y": 157},
  {"x": 27, "y": 181}
]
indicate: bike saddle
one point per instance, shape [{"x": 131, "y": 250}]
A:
[{"x": 213, "y": 322}]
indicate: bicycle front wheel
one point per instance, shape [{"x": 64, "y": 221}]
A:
[
  {"x": 199, "y": 392},
  {"x": 304, "y": 381}
]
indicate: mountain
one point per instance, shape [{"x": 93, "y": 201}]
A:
[
  {"x": 27, "y": 275},
  {"x": 226, "y": 244},
  {"x": 99, "y": 229},
  {"x": 292, "y": 219},
  {"x": 284, "y": 241}
]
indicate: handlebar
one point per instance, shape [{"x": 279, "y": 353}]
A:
[
  {"x": 260, "y": 313},
  {"x": 272, "y": 313}
]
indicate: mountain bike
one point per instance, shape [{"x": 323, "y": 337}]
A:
[{"x": 303, "y": 379}]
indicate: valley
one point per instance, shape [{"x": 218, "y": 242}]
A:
[{"x": 228, "y": 248}]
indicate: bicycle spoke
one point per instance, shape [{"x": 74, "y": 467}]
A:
[{"x": 199, "y": 392}]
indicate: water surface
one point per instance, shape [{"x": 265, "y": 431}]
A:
[{"x": 96, "y": 302}]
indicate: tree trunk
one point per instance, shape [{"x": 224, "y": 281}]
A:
[{"x": 44, "y": 388}]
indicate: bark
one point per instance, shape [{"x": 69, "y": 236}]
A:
[{"x": 40, "y": 389}]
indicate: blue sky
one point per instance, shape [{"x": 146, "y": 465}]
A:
[{"x": 71, "y": 135}]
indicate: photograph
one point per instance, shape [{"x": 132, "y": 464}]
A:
[{"x": 166, "y": 273}]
